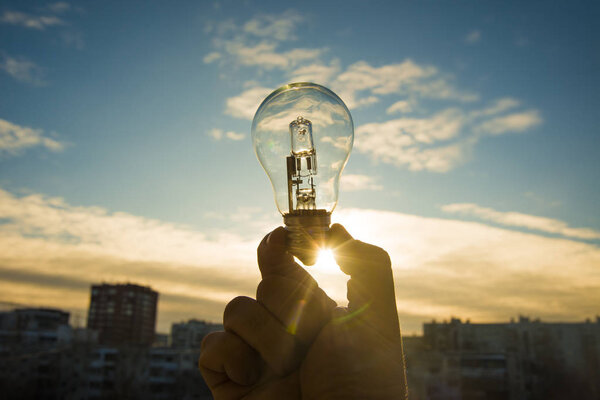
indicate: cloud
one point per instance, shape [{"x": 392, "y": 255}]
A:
[
  {"x": 317, "y": 72},
  {"x": 517, "y": 122},
  {"x": 407, "y": 78},
  {"x": 408, "y": 141},
  {"x": 58, "y": 244},
  {"x": 58, "y": 7},
  {"x": 277, "y": 27},
  {"x": 471, "y": 270},
  {"x": 264, "y": 55},
  {"x": 402, "y": 106},
  {"x": 73, "y": 39},
  {"x": 473, "y": 37},
  {"x": 51, "y": 251},
  {"x": 437, "y": 141},
  {"x": 442, "y": 141},
  {"x": 211, "y": 57},
  {"x": 38, "y": 22},
  {"x": 22, "y": 70},
  {"x": 15, "y": 138},
  {"x": 246, "y": 103},
  {"x": 533, "y": 222},
  {"x": 356, "y": 182},
  {"x": 257, "y": 42},
  {"x": 497, "y": 107},
  {"x": 219, "y": 134}
]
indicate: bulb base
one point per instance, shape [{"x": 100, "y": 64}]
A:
[{"x": 307, "y": 233}]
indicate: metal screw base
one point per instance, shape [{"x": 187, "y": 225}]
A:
[{"x": 307, "y": 233}]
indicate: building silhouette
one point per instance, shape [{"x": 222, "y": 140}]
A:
[
  {"x": 190, "y": 334},
  {"x": 519, "y": 360},
  {"x": 123, "y": 314}
]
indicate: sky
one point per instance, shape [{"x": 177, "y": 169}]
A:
[{"x": 126, "y": 156}]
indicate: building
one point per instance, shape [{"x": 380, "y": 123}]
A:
[
  {"x": 123, "y": 314},
  {"x": 524, "y": 359},
  {"x": 32, "y": 326},
  {"x": 189, "y": 335}
]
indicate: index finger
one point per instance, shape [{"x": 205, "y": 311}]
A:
[
  {"x": 273, "y": 258},
  {"x": 371, "y": 285}
]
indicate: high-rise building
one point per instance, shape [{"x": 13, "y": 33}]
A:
[{"x": 123, "y": 313}]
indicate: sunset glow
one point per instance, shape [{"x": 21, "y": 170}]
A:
[{"x": 125, "y": 151}]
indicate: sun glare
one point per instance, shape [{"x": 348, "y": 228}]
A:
[
  {"x": 329, "y": 276},
  {"x": 326, "y": 263}
]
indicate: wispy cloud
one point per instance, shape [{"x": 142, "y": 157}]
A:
[
  {"x": 473, "y": 37},
  {"x": 401, "y": 106},
  {"x": 39, "y": 22},
  {"x": 246, "y": 103},
  {"x": 22, "y": 70},
  {"x": 414, "y": 142},
  {"x": 450, "y": 267},
  {"x": 257, "y": 42},
  {"x": 407, "y": 78},
  {"x": 60, "y": 245},
  {"x": 442, "y": 141},
  {"x": 428, "y": 140},
  {"x": 316, "y": 72},
  {"x": 219, "y": 134},
  {"x": 517, "y": 122},
  {"x": 278, "y": 27},
  {"x": 211, "y": 57},
  {"x": 356, "y": 182},
  {"x": 49, "y": 16},
  {"x": 516, "y": 219},
  {"x": 441, "y": 266},
  {"x": 59, "y": 7},
  {"x": 15, "y": 138}
]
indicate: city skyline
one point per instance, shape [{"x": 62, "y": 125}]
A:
[{"x": 125, "y": 152}]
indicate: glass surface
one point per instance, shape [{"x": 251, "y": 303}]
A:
[{"x": 296, "y": 127}]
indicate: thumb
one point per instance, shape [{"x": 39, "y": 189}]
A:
[{"x": 371, "y": 286}]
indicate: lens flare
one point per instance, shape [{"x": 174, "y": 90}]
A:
[{"x": 326, "y": 263}]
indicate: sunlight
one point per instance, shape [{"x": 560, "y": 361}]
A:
[
  {"x": 326, "y": 263},
  {"x": 329, "y": 276}
]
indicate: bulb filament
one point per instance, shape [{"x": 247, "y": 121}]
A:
[{"x": 301, "y": 167}]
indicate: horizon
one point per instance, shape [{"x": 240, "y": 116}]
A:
[
  {"x": 77, "y": 314},
  {"x": 125, "y": 150}
]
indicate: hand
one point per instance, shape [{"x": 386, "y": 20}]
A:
[
  {"x": 358, "y": 354},
  {"x": 265, "y": 340}
]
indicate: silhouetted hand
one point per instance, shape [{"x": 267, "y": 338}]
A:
[
  {"x": 265, "y": 340},
  {"x": 358, "y": 354},
  {"x": 293, "y": 343}
]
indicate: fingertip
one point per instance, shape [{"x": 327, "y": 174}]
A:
[
  {"x": 338, "y": 229},
  {"x": 277, "y": 237},
  {"x": 338, "y": 235}
]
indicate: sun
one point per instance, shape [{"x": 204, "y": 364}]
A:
[
  {"x": 326, "y": 263},
  {"x": 329, "y": 276}
]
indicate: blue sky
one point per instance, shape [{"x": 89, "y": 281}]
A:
[{"x": 130, "y": 124}]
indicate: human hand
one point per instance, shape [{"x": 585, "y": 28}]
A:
[
  {"x": 265, "y": 340},
  {"x": 263, "y": 352},
  {"x": 358, "y": 354}
]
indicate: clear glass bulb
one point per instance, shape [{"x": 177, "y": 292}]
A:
[{"x": 302, "y": 135}]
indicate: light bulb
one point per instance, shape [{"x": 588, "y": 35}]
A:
[{"x": 302, "y": 134}]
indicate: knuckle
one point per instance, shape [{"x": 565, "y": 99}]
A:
[
  {"x": 236, "y": 308},
  {"x": 209, "y": 340},
  {"x": 265, "y": 289},
  {"x": 242, "y": 313}
]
